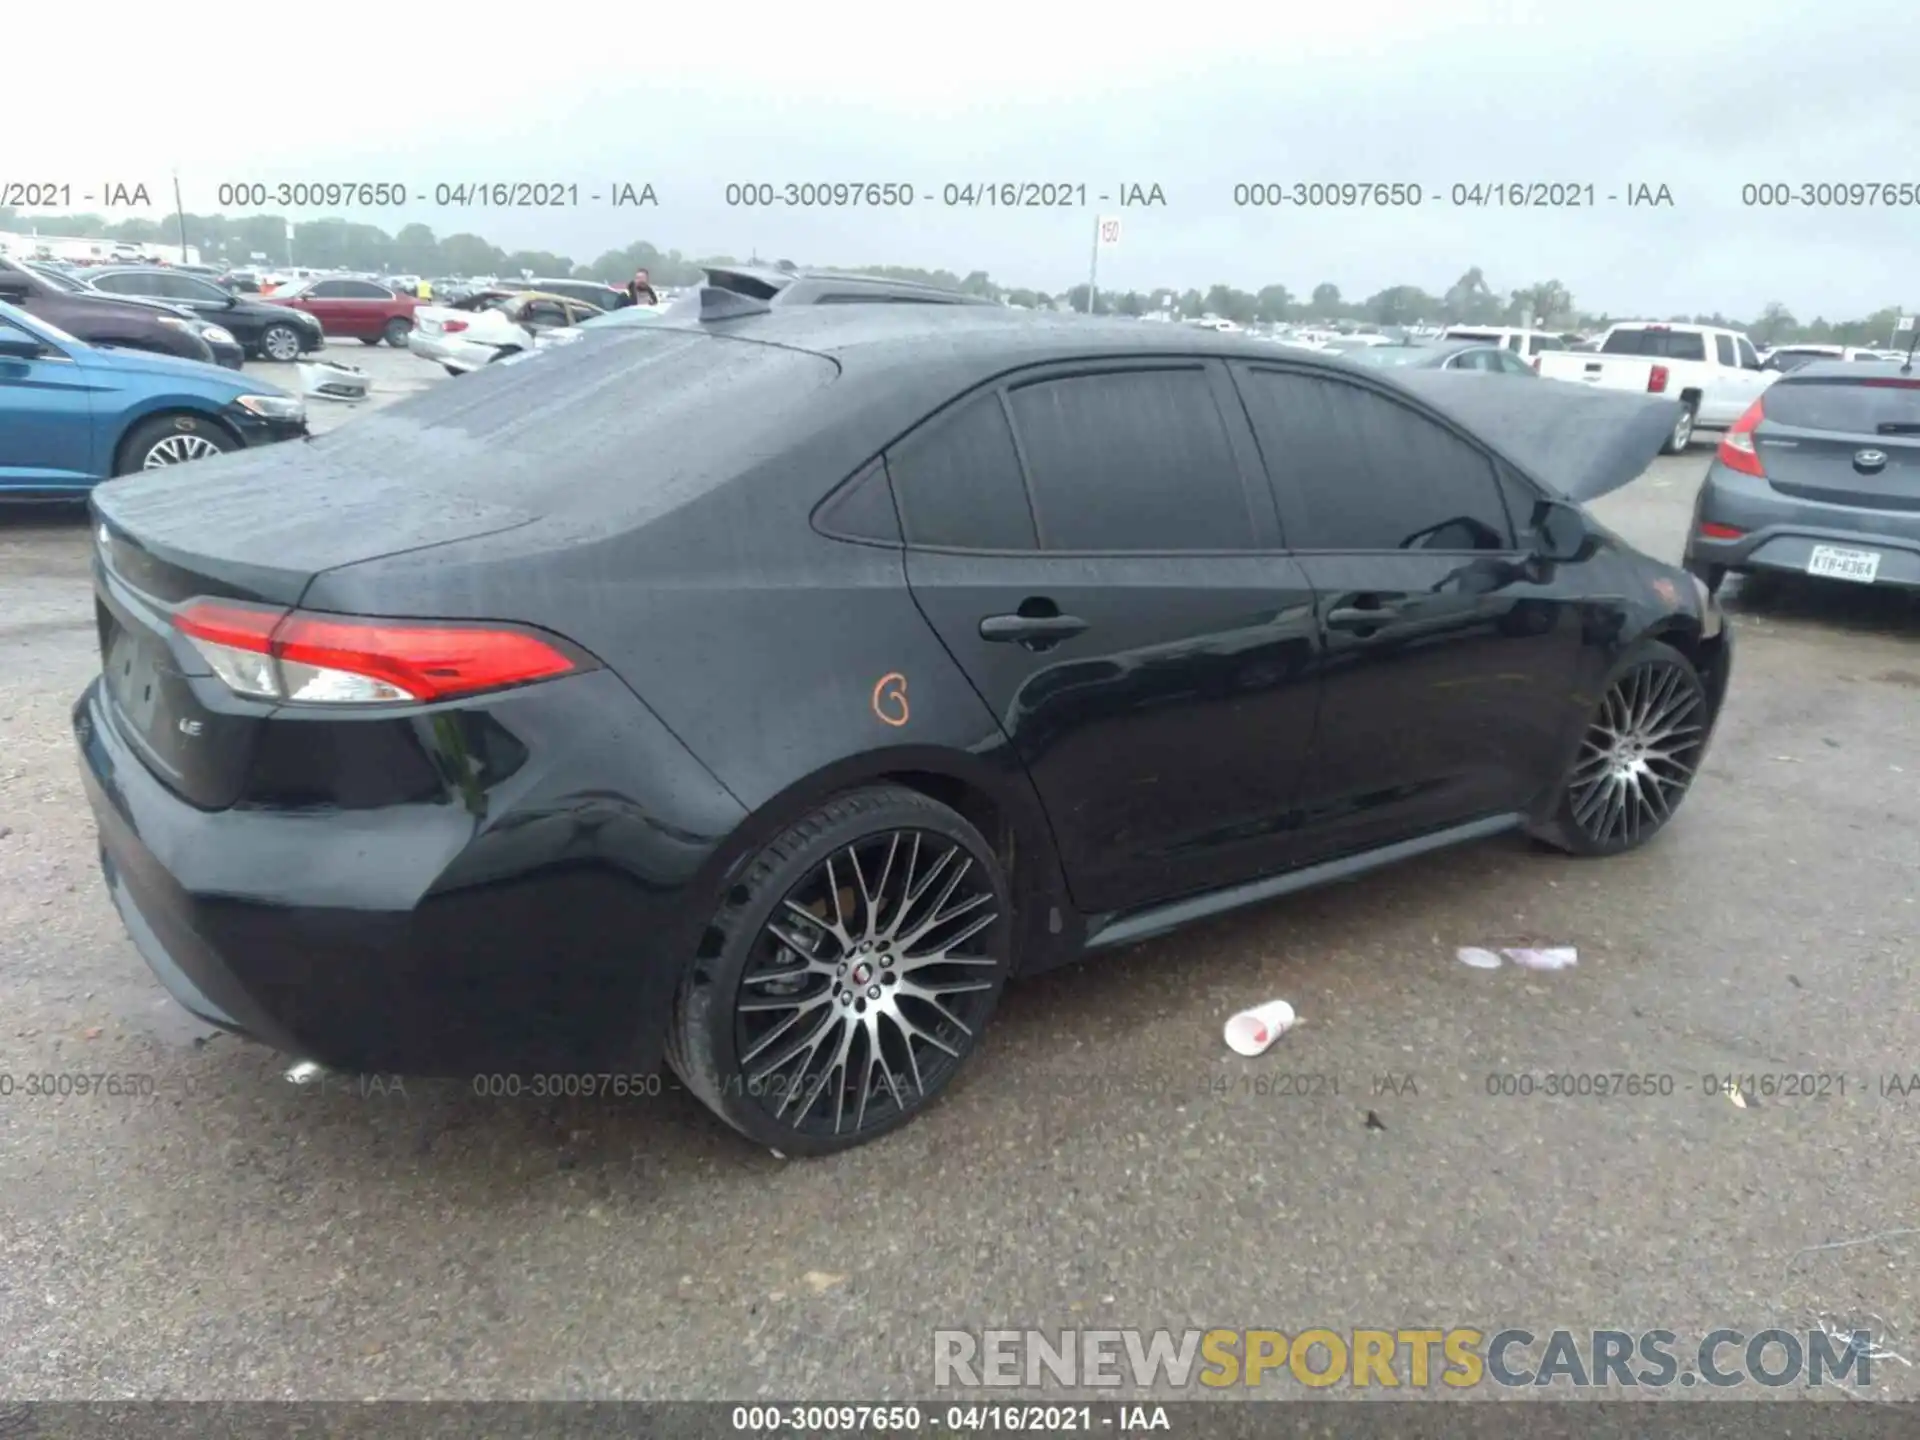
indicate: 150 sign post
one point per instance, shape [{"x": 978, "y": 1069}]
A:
[{"x": 1106, "y": 235}]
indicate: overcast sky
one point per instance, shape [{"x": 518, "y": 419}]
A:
[{"x": 1701, "y": 96}]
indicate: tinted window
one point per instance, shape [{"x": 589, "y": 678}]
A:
[
  {"x": 365, "y": 290},
  {"x": 325, "y": 290},
  {"x": 1723, "y": 349},
  {"x": 1475, "y": 360},
  {"x": 958, "y": 483},
  {"x": 544, "y": 315},
  {"x": 1817, "y": 403},
  {"x": 1131, "y": 460},
  {"x": 1368, "y": 473},
  {"x": 1749, "y": 357},
  {"x": 128, "y": 284},
  {"x": 1665, "y": 344},
  {"x": 863, "y": 509},
  {"x": 1511, "y": 364},
  {"x": 1545, "y": 342}
]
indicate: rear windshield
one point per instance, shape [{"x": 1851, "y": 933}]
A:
[
  {"x": 630, "y": 422},
  {"x": 1855, "y": 405},
  {"x": 1664, "y": 344}
]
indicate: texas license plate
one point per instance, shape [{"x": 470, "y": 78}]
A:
[{"x": 1839, "y": 564}]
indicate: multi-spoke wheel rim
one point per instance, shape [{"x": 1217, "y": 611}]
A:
[
  {"x": 1683, "y": 430},
  {"x": 282, "y": 344},
  {"x": 178, "y": 450},
  {"x": 867, "y": 985},
  {"x": 1639, "y": 755}
]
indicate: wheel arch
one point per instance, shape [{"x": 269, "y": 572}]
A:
[
  {"x": 1706, "y": 653},
  {"x": 997, "y": 799},
  {"x": 165, "y": 411}
]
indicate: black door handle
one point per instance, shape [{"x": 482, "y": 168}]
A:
[{"x": 1027, "y": 628}]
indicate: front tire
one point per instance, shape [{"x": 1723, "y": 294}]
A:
[
  {"x": 370, "y": 340},
  {"x": 848, "y": 974},
  {"x": 1637, "y": 758},
  {"x": 172, "y": 440}
]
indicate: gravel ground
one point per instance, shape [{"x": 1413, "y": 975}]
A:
[{"x": 1102, "y": 1163}]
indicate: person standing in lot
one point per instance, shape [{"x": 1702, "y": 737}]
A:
[
  {"x": 640, "y": 289},
  {"x": 424, "y": 290}
]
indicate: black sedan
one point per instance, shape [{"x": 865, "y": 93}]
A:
[
  {"x": 227, "y": 351},
  {"x": 1470, "y": 355},
  {"x": 271, "y": 332},
  {"x": 766, "y": 689}
]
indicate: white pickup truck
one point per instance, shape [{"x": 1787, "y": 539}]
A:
[{"x": 1714, "y": 373}]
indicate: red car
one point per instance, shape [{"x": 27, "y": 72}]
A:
[{"x": 352, "y": 309}]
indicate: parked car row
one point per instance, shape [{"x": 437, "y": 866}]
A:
[
  {"x": 72, "y": 413},
  {"x": 103, "y": 320}
]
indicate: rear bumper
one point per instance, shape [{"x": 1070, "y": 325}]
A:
[
  {"x": 541, "y": 924},
  {"x": 1779, "y": 531},
  {"x": 445, "y": 350}
]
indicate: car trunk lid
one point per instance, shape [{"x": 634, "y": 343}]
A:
[
  {"x": 1844, "y": 439},
  {"x": 255, "y": 526}
]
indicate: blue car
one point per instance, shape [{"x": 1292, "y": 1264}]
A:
[{"x": 72, "y": 415}]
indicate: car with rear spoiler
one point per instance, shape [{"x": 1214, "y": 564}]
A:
[{"x": 1714, "y": 373}]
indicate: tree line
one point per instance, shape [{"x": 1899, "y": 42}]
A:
[{"x": 416, "y": 250}]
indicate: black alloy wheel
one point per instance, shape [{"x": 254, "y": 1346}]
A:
[
  {"x": 1638, "y": 757},
  {"x": 858, "y": 962}
]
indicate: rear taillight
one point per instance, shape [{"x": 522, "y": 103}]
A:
[
  {"x": 273, "y": 654},
  {"x": 1711, "y": 531},
  {"x": 1657, "y": 380},
  {"x": 1736, "y": 446},
  {"x": 451, "y": 326}
]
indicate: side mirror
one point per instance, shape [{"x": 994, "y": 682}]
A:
[
  {"x": 1559, "y": 531},
  {"x": 16, "y": 346}
]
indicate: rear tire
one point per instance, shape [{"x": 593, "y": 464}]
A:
[
  {"x": 1682, "y": 435},
  {"x": 824, "y": 1011},
  {"x": 1637, "y": 758},
  {"x": 396, "y": 333}
]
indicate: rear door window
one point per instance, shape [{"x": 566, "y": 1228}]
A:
[
  {"x": 1135, "y": 460},
  {"x": 958, "y": 482},
  {"x": 131, "y": 284},
  {"x": 1723, "y": 350},
  {"x": 1358, "y": 471}
]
